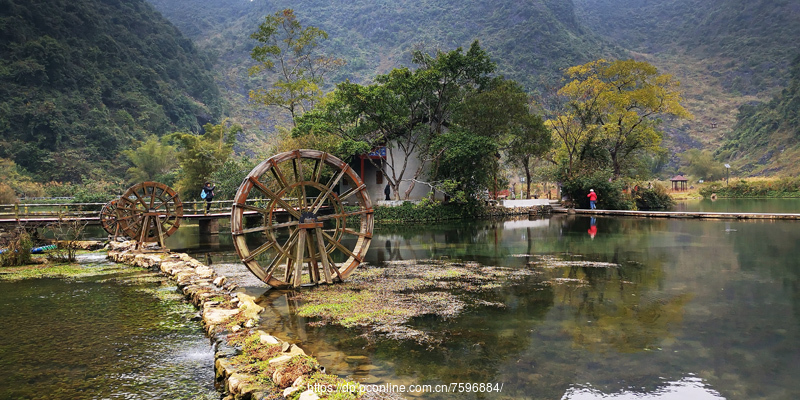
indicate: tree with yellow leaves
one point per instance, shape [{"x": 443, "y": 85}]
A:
[{"x": 616, "y": 106}]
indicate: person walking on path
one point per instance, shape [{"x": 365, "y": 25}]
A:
[
  {"x": 592, "y": 199},
  {"x": 208, "y": 194}
]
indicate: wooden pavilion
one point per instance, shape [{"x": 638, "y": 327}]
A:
[{"x": 679, "y": 183}]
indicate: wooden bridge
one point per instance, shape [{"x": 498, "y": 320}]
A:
[
  {"x": 42, "y": 214},
  {"x": 681, "y": 214}
]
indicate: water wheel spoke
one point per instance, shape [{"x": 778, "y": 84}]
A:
[
  {"x": 273, "y": 227},
  {"x": 343, "y": 215},
  {"x": 140, "y": 199},
  {"x": 259, "y": 250},
  {"x": 341, "y": 247},
  {"x": 171, "y": 199},
  {"x": 152, "y": 199},
  {"x": 351, "y": 192},
  {"x": 134, "y": 209},
  {"x": 251, "y": 208},
  {"x": 355, "y": 233},
  {"x": 297, "y": 166},
  {"x": 278, "y": 174},
  {"x": 317, "y": 174},
  {"x": 274, "y": 197},
  {"x": 276, "y": 261},
  {"x": 319, "y": 201}
]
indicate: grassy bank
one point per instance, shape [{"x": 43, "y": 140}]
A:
[{"x": 753, "y": 188}]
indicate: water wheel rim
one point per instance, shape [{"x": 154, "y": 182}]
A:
[
  {"x": 304, "y": 229},
  {"x": 148, "y": 210},
  {"x": 108, "y": 217}
]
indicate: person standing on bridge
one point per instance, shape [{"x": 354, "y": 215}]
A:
[
  {"x": 592, "y": 199},
  {"x": 208, "y": 194}
]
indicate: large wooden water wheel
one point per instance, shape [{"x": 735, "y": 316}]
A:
[
  {"x": 302, "y": 217},
  {"x": 108, "y": 217},
  {"x": 149, "y": 212}
]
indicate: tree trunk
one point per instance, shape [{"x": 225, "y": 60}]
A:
[{"x": 526, "y": 165}]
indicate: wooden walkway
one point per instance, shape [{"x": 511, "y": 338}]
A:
[
  {"x": 680, "y": 214},
  {"x": 45, "y": 214}
]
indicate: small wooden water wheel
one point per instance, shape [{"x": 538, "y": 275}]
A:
[
  {"x": 108, "y": 218},
  {"x": 149, "y": 212},
  {"x": 302, "y": 217}
]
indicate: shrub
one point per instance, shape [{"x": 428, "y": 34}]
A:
[
  {"x": 427, "y": 210},
  {"x": 777, "y": 188},
  {"x": 7, "y": 194},
  {"x": 655, "y": 198},
  {"x": 17, "y": 249},
  {"x": 609, "y": 192}
]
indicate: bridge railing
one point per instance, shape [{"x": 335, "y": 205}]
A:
[
  {"x": 54, "y": 210},
  {"x": 32, "y": 211}
]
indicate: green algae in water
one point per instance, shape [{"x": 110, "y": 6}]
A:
[{"x": 91, "y": 337}]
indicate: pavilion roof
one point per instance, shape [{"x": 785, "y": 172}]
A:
[{"x": 679, "y": 178}]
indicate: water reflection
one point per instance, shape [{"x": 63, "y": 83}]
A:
[
  {"x": 685, "y": 388},
  {"x": 592, "y": 228},
  {"x": 647, "y": 308}
]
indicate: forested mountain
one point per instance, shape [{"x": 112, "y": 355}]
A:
[
  {"x": 730, "y": 55},
  {"x": 81, "y": 80},
  {"x": 747, "y": 43},
  {"x": 531, "y": 40},
  {"x": 766, "y": 137}
]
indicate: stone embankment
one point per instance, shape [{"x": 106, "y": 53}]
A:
[{"x": 225, "y": 310}]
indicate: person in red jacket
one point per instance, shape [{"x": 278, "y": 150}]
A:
[{"x": 592, "y": 199}]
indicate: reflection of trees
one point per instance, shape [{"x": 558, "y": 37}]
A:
[
  {"x": 619, "y": 308},
  {"x": 611, "y": 312},
  {"x": 775, "y": 251}
]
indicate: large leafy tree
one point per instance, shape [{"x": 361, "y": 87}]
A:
[
  {"x": 615, "y": 108},
  {"x": 530, "y": 140},
  {"x": 152, "y": 161},
  {"x": 404, "y": 109},
  {"x": 293, "y": 53},
  {"x": 201, "y": 155}
]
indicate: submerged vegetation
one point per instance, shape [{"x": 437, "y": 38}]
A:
[{"x": 383, "y": 300}]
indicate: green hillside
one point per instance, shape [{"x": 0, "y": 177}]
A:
[
  {"x": 530, "y": 40},
  {"x": 81, "y": 80},
  {"x": 729, "y": 55},
  {"x": 748, "y": 44},
  {"x": 766, "y": 137}
]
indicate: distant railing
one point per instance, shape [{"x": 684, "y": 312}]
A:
[
  {"x": 33, "y": 211},
  {"x": 91, "y": 211}
]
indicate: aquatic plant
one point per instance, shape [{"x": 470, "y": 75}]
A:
[
  {"x": 17, "y": 249},
  {"x": 382, "y": 301}
]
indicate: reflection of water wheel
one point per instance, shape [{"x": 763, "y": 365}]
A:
[
  {"x": 298, "y": 220},
  {"x": 149, "y": 212},
  {"x": 108, "y": 217}
]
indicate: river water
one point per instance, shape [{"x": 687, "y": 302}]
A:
[
  {"x": 683, "y": 309},
  {"x": 637, "y": 309},
  {"x": 123, "y": 335}
]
